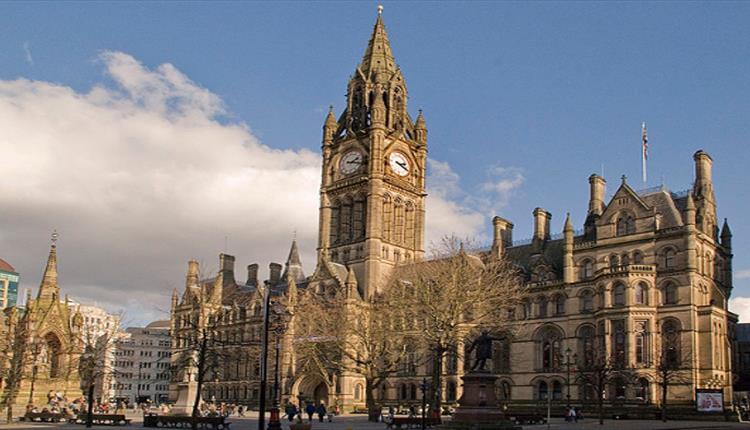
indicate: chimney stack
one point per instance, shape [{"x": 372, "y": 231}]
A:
[
  {"x": 596, "y": 198},
  {"x": 275, "y": 273},
  {"x": 703, "y": 182},
  {"x": 192, "y": 274},
  {"x": 502, "y": 236},
  {"x": 226, "y": 267},
  {"x": 252, "y": 275},
  {"x": 541, "y": 224}
]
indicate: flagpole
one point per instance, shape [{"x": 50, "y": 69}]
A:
[{"x": 644, "y": 151}]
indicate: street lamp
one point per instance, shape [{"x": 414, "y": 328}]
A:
[
  {"x": 423, "y": 386},
  {"x": 567, "y": 380},
  {"x": 280, "y": 315},
  {"x": 264, "y": 359}
]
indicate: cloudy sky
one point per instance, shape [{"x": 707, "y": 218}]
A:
[{"x": 148, "y": 134}]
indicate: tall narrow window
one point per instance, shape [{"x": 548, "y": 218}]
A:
[
  {"x": 641, "y": 343},
  {"x": 640, "y": 293},
  {"x": 668, "y": 259},
  {"x": 586, "y": 345},
  {"x": 588, "y": 269},
  {"x": 556, "y": 390},
  {"x": 670, "y": 293},
  {"x": 587, "y": 301},
  {"x": 559, "y": 304},
  {"x": 387, "y": 218},
  {"x": 637, "y": 257},
  {"x": 542, "y": 391},
  {"x": 358, "y": 219},
  {"x": 618, "y": 294},
  {"x": 345, "y": 231},
  {"x": 614, "y": 262},
  {"x": 335, "y": 216},
  {"x": 409, "y": 233},
  {"x": 618, "y": 343},
  {"x": 542, "y": 307},
  {"x": 398, "y": 225},
  {"x": 671, "y": 343}
]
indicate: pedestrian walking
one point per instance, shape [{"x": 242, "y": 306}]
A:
[
  {"x": 310, "y": 410},
  {"x": 321, "y": 410}
]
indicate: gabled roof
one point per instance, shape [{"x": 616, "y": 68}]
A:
[{"x": 6, "y": 267}]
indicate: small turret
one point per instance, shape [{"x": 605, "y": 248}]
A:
[
  {"x": 378, "y": 109},
  {"x": 597, "y": 186},
  {"x": 175, "y": 299},
  {"x": 541, "y": 226},
  {"x": 690, "y": 210},
  {"x": 352, "y": 292},
  {"x": 420, "y": 129},
  {"x": 726, "y": 235},
  {"x": 191, "y": 278},
  {"x": 330, "y": 126}
]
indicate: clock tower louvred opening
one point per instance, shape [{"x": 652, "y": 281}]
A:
[{"x": 374, "y": 157}]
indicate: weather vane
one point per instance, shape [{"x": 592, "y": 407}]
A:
[
  {"x": 54, "y": 237},
  {"x": 380, "y": 9}
]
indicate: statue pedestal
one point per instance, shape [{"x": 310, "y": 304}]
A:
[
  {"x": 478, "y": 403},
  {"x": 185, "y": 398}
]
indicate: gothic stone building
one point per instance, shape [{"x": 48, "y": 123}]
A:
[
  {"x": 649, "y": 274},
  {"x": 41, "y": 346}
]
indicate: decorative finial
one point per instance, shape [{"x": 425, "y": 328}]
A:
[
  {"x": 294, "y": 234},
  {"x": 624, "y": 178},
  {"x": 330, "y": 108},
  {"x": 54, "y": 237},
  {"x": 420, "y": 111},
  {"x": 380, "y": 9}
]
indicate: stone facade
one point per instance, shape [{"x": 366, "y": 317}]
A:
[{"x": 647, "y": 266}]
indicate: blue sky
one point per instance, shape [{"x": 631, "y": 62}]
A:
[{"x": 532, "y": 95}]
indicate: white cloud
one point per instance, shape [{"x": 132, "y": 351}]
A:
[
  {"x": 146, "y": 172},
  {"x": 742, "y": 274},
  {"x": 452, "y": 210},
  {"x": 741, "y": 306},
  {"x": 27, "y": 54}
]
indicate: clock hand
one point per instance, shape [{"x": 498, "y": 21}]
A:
[{"x": 401, "y": 164}]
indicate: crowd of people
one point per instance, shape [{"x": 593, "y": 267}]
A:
[{"x": 311, "y": 409}]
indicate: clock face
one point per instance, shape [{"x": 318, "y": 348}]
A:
[
  {"x": 351, "y": 162},
  {"x": 399, "y": 164}
]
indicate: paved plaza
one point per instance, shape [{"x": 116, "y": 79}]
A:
[{"x": 359, "y": 422}]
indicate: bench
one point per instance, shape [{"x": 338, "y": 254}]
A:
[
  {"x": 412, "y": 422},
  {"x": 171, "y": 421},
  {"x": 520, "y": 419},
  {"x": 102, "y": 419},
  {"x": 48, "y": 417}
]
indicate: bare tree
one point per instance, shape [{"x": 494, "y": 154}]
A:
[
  {"x": 452, "y": 295},
  {"x": 339, "y": 332},
  {"x": 669, "y": 368},
  {"x": 596, "y": 370},
  {"x": 94, "y": 364}
]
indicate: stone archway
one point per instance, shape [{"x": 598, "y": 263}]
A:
[{"x": 312, "y": 388}]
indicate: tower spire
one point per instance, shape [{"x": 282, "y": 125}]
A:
[
  {"x": 378, "y": 55},
  {"x": 49, "y": 288}
]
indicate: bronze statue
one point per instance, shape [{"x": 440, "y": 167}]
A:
[{"x": 483, "y": 345}]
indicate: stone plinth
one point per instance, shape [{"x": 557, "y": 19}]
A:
[
  {"x": 185, "y": 398},
  {"x": 478, "y": 403}
]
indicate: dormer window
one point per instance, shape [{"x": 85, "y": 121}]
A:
[{"x": 625, "y": 225}]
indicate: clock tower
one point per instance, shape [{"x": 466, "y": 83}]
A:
[{"x": 373, "y": 178}]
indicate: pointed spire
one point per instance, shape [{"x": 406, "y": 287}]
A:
[
  {"x": 330, "y": 126},
  {"x": 293, "y": 266},
  {"x": 568, "y": 225},
  {"x": 690, "y": 210},
  {"x": 351, "y": 284},
  {"x": 726, "y": 235},
  {"x": 49, "y": 288},
  {"x": 378, "y": 55},
  {"x": 420, "y": 124}
]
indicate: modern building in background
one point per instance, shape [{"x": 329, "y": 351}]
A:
[
  {"x": 741, "y": 364},
  {"x": 141, "y": 363},
  {"x": 8, "y": 285}
]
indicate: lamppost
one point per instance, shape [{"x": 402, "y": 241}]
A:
[
  {"x": 264, "y": 359},
  {"x": 423, "y": 386},
  {"x": 274, "y": 423}
]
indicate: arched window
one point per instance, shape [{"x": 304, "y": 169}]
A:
[
  {"x": 526, "y": 309},
  {"x": 503, "y": 391},
  {"x": 587, "y": 301},
  {"x": 618, "y": 295},
  {"x": 358, "y": 392},
  {"x": 670, "y": 293},
  {"x": 668, "y": 259},
  {"x": 345, "y": 222},
  {"x": 559, "y": 304},
  {"x": 413, "y": 391},
  {"x": 625, "y": 225},
  {"x": 637, "y": 257},
  {"x": 403, "y": 391},
  {"x": 614, "y": 261},
  {"x": 451, "y": 361},
  {"x": 641, "y": 290},
  {"x": 542, "y": 391},
  {"x": 501, "y": 355},
  {"x": 641, "y": 343},
  {"x": 542, "y": 307},
  {"x": 358, "y": 218},
  {"x": 587, "y": 269},
  {"x": 642, "y": 390},
  {"x": 549, "y": 340},
  {"x": 586, "y": 335},
  {"x": 398, "y": 225},
  {"x": 409, "y": 228},
  {"x": 625, "y": 259},
  {"x": 335, "y": 217},
  {"x": 670, "y": 332},
  {"x": 556, "y": 390},
  {"x": 387, "y": 218},
  {"x": 53, "y": 352},
  {"x": 618, "y": 343}
]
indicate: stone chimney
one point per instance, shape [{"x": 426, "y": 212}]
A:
[
  {"x": 597, "y": 186},
  {"x": 192, "y": 274},
  {"x": 541, "y": 224},
  {"x": 502, "y": 236},
  {"x": 703, "y": 166},
  {"x": 226, "y": 267},
  {"x": 275, "y": 273},
  {"x": 252, "y": 275}
]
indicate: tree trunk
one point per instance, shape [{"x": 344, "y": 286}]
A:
[
  {"x": 9, "y": 416},
  {"x": 90, "y": 411},
  {"x": 201, "y": 369},
  {"x": 601, "y": 406},
  {"x": 437, "y": 392},
  {"x": 373, "y": 413},
  {"x": 664, "y": 386}
]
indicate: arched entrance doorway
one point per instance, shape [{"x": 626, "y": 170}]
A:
[{"x": 310, "y": 389}]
